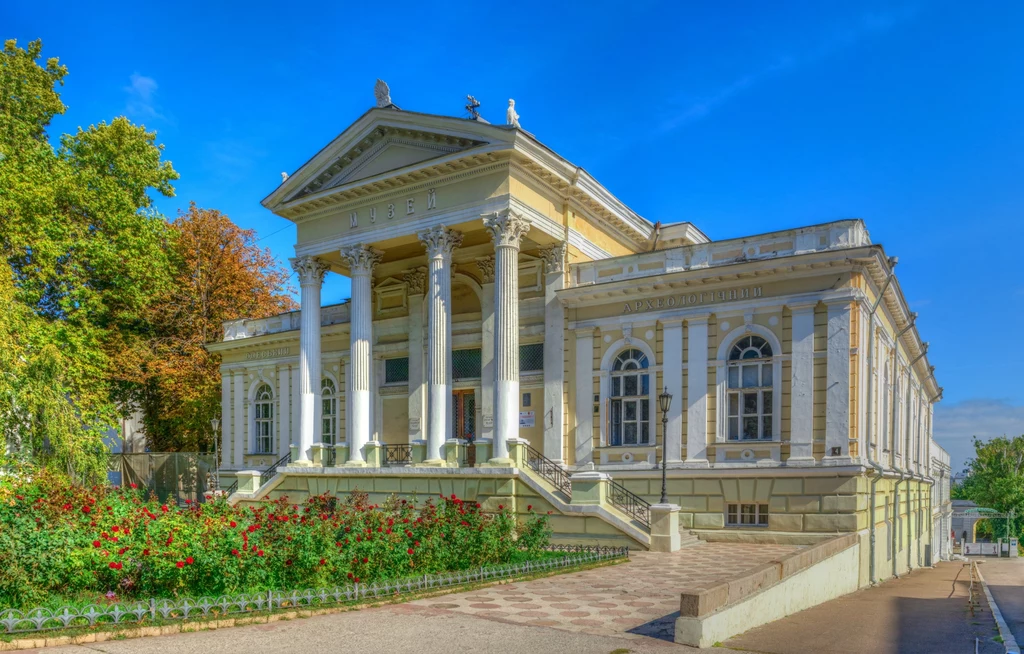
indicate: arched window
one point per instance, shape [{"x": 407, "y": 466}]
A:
[
  {"x": 751, "y": 390},
  {"x": 264, "y": 434},
  {"x": 631, "y": 418},
  {"x": 328, "y": 411}
]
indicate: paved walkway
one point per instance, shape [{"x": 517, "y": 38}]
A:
[
  {"x": 921, "y": 613},
  {"x": 1005, "y": 579}
]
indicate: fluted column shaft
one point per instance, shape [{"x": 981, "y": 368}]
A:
[
  {"x": 507, "y": 229},
  {"x": 311, "y": 276},
  {"x": 360, "y": 259},
  {"x": 439, "y": 243}
]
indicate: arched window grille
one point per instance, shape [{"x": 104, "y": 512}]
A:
[
  {"x": 630, "y": 407},
  {"x": 751, "y": 389},
  {"x": 264, "y": 405},
  {"x": 328, "y": 411}
]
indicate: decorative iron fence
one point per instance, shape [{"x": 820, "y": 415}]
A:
[
  {"x": 549, "y": 470},
  {"x": 630, "y": 503},
  {"x": 14, "y": 621},
  {"x": 397, "y": 455}
]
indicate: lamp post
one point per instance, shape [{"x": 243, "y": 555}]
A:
[
  {"x": 215, "y": 423},
  {"x": 664, "y": 401}
]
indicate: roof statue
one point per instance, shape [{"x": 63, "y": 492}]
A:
[
  {"x": 511, "y": 117},
  {"x": 284, "y": 177},
  {"x": 382, "y": 93},
  {"x": 472, "y": 107}
]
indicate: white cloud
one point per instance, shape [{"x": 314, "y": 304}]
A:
[
  {"x": 142, "y": 97},
  {"x": 956, "y": 424}
]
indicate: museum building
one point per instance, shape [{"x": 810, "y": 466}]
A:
[{"x": 503, "y": 300}]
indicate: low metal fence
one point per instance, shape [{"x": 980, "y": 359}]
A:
[
  {"x": 397, "y": 455},
  {"x": 14, "y": 621}
]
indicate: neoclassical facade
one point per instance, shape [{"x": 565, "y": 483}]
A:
[{"x": 501, "y": 295}]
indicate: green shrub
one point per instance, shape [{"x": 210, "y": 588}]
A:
[{"x": 60, "y": 542}]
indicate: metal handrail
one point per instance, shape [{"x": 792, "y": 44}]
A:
[
  {"x": 269, "y": 473},
  {"x": 630, "y": 503},
  {"x": 549, "y": 470},
  {"x": 396, "y": 455}
]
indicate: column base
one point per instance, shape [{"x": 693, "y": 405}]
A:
[
  {"x": 353, "y": 464},
  {"x": 696, "y": 463},
  {"x": 303, "y": 464},
  {"x": 497, "y": 463},
  {"x": 837, "y": 461},
  {"x": 431, "y": 463}
]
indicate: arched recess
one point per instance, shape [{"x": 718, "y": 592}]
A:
[
  {"x": 613, "y": 351},
  {"x": 721, "y": 379},
  {"x": 463, "y": 302}
]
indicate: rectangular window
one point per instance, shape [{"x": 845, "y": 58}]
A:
[
  {"x": 466, "y": 364},
  {"x": 396, "y": 371},
  {"x": 531, "y": 357},
  {"x": 746, "y": 515}
]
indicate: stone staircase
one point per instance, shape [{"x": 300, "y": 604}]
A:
[{"x": 688, "y": 539}]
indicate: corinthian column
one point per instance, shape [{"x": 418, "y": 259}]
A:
[
  {"x": 311, "y": 276},
  {"x": 507, "y": 229},
  {"x": 360, "y": 260},
  {"x": 439, "y": 242}
]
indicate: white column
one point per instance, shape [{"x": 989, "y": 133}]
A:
[
  {"x": 672, "y": 376},
  {"x": 296, "y": 409},
  {"x": 837, "y": 384},
  {"x": 486, "y": 428},
  {"x": 311, "y": 276},
  {"x": 507, "y": 229},
  {"x": 554, "y": 351},
  {"x": 284, "y": 410},
  {"x": 697, "y": 392},
  {"x": 241, "y": 433},
  {"x": 584, "y": 449},
  {"x": 416, "y": 280},
  {"x": 439, "y": 242},
  {"x": 801, "y": 412},
  {"x": 226, "y": 424},
  {"x": 360, "y": 260}
]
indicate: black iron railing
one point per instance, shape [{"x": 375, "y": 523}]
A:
[
  {"x": 269, "y": 473},
  {"x": 397, "y": 455},
  {"x": 630, "y": 503},
  {"x": 467, "y": 455},
  {"x": 549, "y": 470},
  {"x": 330, "y": 456},
  {"x": 232, "y": 488}
]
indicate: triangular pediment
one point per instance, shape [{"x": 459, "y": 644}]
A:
[{"x": 379, "y": 143}]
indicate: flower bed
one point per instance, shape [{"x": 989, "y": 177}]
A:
[{"x": 61, "y": 543}]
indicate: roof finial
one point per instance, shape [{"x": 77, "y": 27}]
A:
[
  {"x": 382, "y": 93},
  {"x": 511, "y": 117},
  {"x": 472, "y": 107}
]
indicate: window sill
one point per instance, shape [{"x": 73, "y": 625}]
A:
[{"x": 729, "y": 526}]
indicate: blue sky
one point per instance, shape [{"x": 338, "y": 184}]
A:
[{"x": 741, "y": 117}]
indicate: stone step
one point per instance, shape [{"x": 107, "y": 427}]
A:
[{"x": 688, "y": 539}]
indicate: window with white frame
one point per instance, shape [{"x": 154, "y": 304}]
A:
[
  {"x": 263, "y": 442},
  {"x": 751, "y": 390},
  {"x": 328, "y": 411},
  {"x": 746, "y": 515},
  {"x": 630, "y": 406}
]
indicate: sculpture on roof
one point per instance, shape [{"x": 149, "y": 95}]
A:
[
  {"x": 472, "y": 106},
  {"x": 511, "y": 117},
  {"x": 382, "y": 93}
]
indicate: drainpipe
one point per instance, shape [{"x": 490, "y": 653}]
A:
[{"x": 879, "y": 471}]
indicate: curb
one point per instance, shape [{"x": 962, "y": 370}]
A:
[{"x": 1009, "y": 642}]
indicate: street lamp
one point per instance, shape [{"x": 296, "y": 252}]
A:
[
  {"x": 215, "y": 423},
  {"x": 664, "y": 401}
]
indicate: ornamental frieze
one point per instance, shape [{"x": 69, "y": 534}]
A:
[{"x": 692, "y": 299}]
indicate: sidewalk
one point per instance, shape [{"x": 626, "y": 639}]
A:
[{"x": 921, "y": 613}]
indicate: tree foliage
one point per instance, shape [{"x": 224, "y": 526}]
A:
[
  {"x": 995, "y": 480},
  {"x": 85, "y": 253},
  {"x": 219, "y": 273}
]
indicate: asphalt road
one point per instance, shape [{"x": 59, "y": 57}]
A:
[{"x": 1005, "y": 579}]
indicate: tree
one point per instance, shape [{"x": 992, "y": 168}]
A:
[
  {"x": 219, "y": 274},
  {"x": 86, "y": 256},
  {"x": 995, "y": 479}
]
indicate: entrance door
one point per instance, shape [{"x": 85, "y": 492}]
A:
[{"x": 463, "y": 414}]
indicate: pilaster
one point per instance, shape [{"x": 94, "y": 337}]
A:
[
  {"x": 226, "y": 423},
  {"x": 801, "y": 438},
  {"x": 837, "y": 385},
  {"x": 416, "y": 280},
  {"x": 486, "y": 428},
  {"x": 672, "y": 376},
  {"x": 697, "y": 392},
  {"x": 584, "y": 447},
  {"x": 554, "y": 351}
]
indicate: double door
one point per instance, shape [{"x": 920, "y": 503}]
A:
[{"x": 464, "y": 414}]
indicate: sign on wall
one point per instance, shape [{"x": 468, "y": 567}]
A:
[
  {"x": 527, "y": 419},
  {"x": 691, "y": 299}
]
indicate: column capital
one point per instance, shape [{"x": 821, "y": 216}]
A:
[
  {"x": 554, "y": 257},
  {"x": 507, "y": 228},
  {"x": 486, "y": 266},
  {"x": 698, "y": 319},
  {"x": 802, "y": 307},
  {"x": 361, "y": 259},
  {"x": 416, "y": 279},
  {"x": 440, "y": 241},
  {"x": 311, "y": 270}
]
